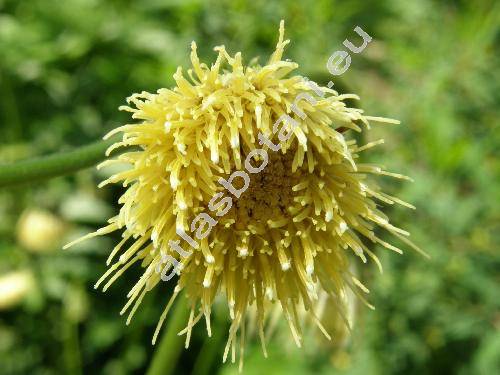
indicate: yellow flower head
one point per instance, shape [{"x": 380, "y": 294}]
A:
[{"x": 242, "y": 184}]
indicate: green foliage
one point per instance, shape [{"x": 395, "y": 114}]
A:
[{"x": 66, "y": 66}]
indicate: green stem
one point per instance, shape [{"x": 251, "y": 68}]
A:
[
  {"x": 165, "y": 357},
  {"x": 53, "y": 165},
  {"x": 10, "y": 110},
  {"x": 71, "y": 350},
  {"x": 211, "y": 348}
]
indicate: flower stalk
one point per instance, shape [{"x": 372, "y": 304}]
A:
[
  {"x": 166, "y": 355},
  {"x": 59, "y": 164}
]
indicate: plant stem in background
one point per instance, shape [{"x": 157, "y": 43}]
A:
[
  {"x": 60, "y": 164},
  {"x": 70, "y": 347},
  {"x": 10, "y": 110},
  {"x": 211, "y": 348},
  {"x": 165, "y": 357}
]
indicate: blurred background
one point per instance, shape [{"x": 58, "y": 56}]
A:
[{"x": 66, "y": 66}]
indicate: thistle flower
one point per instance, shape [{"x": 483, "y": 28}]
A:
[
  {"x": 39, "y": 231},
  {"x": 291, "y": 230},
  {"x": 15, "y": 287}
]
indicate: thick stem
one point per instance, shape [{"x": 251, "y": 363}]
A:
[
  {"x": 60, "y": 164},
  {"x": 165, "y": 357},
  {"x": 211, "y": 348}
]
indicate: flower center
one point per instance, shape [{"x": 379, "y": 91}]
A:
[{"x": 269, "y": 194}]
